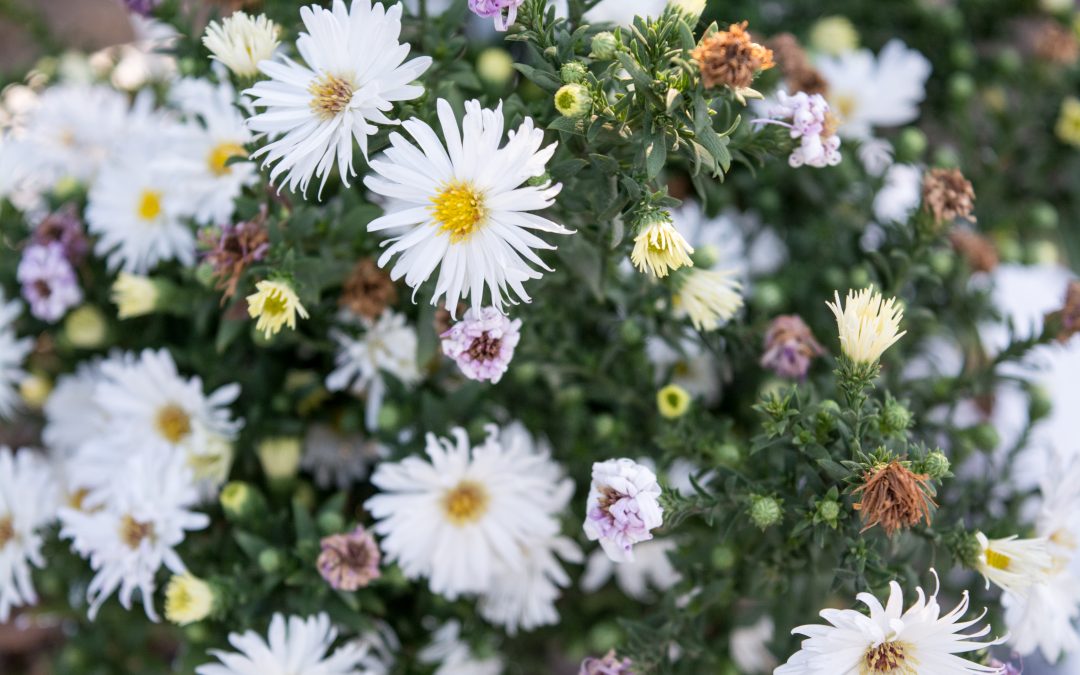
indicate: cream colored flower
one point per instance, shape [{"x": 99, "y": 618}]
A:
[
  {"x": 709, "y": 297},
  {"x": 274, "y": 304},
  {"x": 280, "y": 457},
  {"x": 240, "y": 41},
  {"x": 658, "y": 247},
  {"x": 134, "y": 295},
  {"x": 1014, "y": 564},
  {"x": 868, "y": 324},
  {"x": 188, "y": 599}
]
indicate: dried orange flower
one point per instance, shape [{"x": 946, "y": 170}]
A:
[
  {"x": 1049, "y": 41},
  {"x": 799, "y": 73},
  {"x": 729, "y": 58},
  {"x": 947, "y": 195},
  {"x": 1068, "y": 317},
  {"x": 979, "y": 252},
  {"x": 894, "y": 497},
  {"x": 368, "y": 290}
]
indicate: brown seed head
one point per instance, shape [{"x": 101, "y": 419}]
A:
[
  {"x": 799, "y": 73},
  {"x": 369, "y": 290},
  {"x": 947, "y": 195},
  {"x": 979, "y": 252},
  {"x": 730, "y": 58},
  {"x": 894, "y": 497}
]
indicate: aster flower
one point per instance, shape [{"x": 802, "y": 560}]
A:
[
  {"x": 749, "y": 647},
  {"x": 453, "y": 656},
  {"x": 466, "y": 515},
  {"x": 504, "y": 11},
  {"x": 137, "y": 531},
  {"x": 623, "y": 506},
  {"x": 947, "y": 195},
  {"x": 868, "y": 324},
  {"x": 730, "y": 58},
  {"x": 48, "y": 281},
  {"x": 651, "y": 568},
  {"x": 296, "y": 645},
  {"x": 463, "y": 208},
  {"x": 894, "y": 497},
  {"x": 275, "y": 305},
  {"x": 1012, "y": 563},
  {"x": 526, "y": 598},
  {"x": 687, "y": 364},
  {"x": 241, "y": 41},
  {"x": 231, "y": 249},
  {"x": 658, "y": 245},
  {"x": 483, "y": 343},
  {"x": 709, "y": 297},
  {"x": 811, "y": 124},
  {"x": 339, "y": 460},
  {"x": 349, "y": 561},
  {"x": 890, "y": 640},
  {"x": 368, "y": 290},
  {"x": 673, "y": 401},
  {"x": 609, "y": 664},
  {"x": 387, "y": 346},
  {"x": 899, "y": 195},
  {"x": 789, "y": 347},
  {"x": 355, "y": 71},
  {"x": 28, "y": 502},
  {"x": 64, "y": 227},
  {"x": 13, "y": 352}
]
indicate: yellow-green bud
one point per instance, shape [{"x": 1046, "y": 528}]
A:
[
  {"x": 833, "y": 35},
  {"x": 828, "y": 511},
  {"x": 765, "y": 511},
  {"x": 573, "y": 100},
  {"x": 270, "y": 561},
  {"x": 240, "y": 501},
  {"x": 86, "y": 328},
  {"x": 495, "y": 66},
  {"x": 573, "y": 72},
  {"x": 604, "y": 45},
  {"x": 280, "y": 457},
  {"x": 895, "y": 419},
  {"x": 985, "y": 437},
  {"x": 34, "y": 390},
  {"x": 936, "y": 465}
]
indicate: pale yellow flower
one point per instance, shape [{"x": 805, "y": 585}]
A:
[
  {"x": 134, "y": 295},
  {"x": 709, "y": 297},
  {"x": 868, "y": 324},
  {"x": 673, "y": 401},
  {"x": 659, "y": 248},
  {"x": 86, "y": 328},
  {"x": 280, "y": 457},
  {"x": 1068, "y": 123},
  {"x": 274, "y": 304},
  {"x": 1014, "y": 564},
  {"x": 241, "y": 41},
  {"x": 188, "y": 599},
  {"x": 833, "y": 35}
]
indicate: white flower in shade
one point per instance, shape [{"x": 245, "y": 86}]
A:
[
  {"x": 355, "y": 71},
  {"x": 468, "y": 514},
  {"x": 807, "y": 119},
  {"x": 463, "y": 207},
  {"x": 623, "y": 507},
  {"x": 650, "y": 569},
  {"x": 1014, "y": 564},
  {"x": 710, "y": 298},
  {"x": 890, "y": 640},
  {"x": 452, "y": 656},
  {"x": 339, "y": 460},
  {"x": 241, "y": 41},
  {"x": 868, "y": 324},
  {"x": 28, "y": 502},
  {"x": 131, "y": 536},
  {"x": 750, "y": 647},
  {"x": 13, "y": 351},
  {"x": 865, "y": 92},
  {"x": 388, "y": 346},
  {"x": 482, "y": 343},
  {"x": 147, "y": 58},
  {"x": 215, "y": 134},
  {"x": 900, "y": 194},
  {"x": 73, "y": 413},
  {"x": 876, "y": 155},
  {"x": 292, "y": 646},
  {"x": 688, "y": 365}
]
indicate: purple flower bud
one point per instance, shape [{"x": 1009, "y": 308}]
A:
[{"x": 487, "y": 8}]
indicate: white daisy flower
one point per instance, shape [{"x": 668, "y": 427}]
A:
[
  {"x": 215, "y": 135},
  {"x": 1014, "y": 564},
  {"x": 355, "y": 71},
  {"x": 297, "y": 646},
  {"x": 890, "y": 640},
  {"x": 339, "y": 460},
  {"x": 900, "y": 194},
  {"x": 388, "y": 345},
  {"x": 131, "y": 536},
  {"x": 13, "y": 352},
  {"x": 749, "y": 647},
  {"x": 650, "y": 569},
  {"x": 866, "y": 92},
  {"x": 28, "y": 501},
  {"x": 453, "y": 656},
  {"x": 147, "y": 58},
  {"x": 464, "y": 208},
  {"x": 73, "y": 413},
  {"x": 466, "y": 515}
]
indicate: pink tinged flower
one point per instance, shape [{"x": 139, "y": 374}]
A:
[
  {"x": 349, "y": 561},
  {"x": 808, "y": 120},
  {"x": 789, "y": 347},
  {"x": 48, "y": 281},
  {"x": 623, "y": 507},
  {"x": 64, "y": 227},
  {"x": 483, "y": 343},
  {"x": 488, "y": 8},
  {"x": 609, "y": 665}
]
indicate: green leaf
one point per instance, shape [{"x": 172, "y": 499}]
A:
[{"x": 655, "y": 155}]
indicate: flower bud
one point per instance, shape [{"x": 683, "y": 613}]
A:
[
  {"x": 573, "y": 72},
  {"x": 833, "y": 35},
  {"x": 86, "y": 328},
  {"x": 241, "y": 502},
  {"x": 573, "y": 100},
  {"x": 188, "y": 599},
  {"x": 895, "y": 418},
  {"x": 828, "y": 511},
  {"x": 603, "y": 46},
  {"x": 270, "y": 560},
  {"x": 911, "y": 145},
  {"x": 673, "y": 401},
  {"x": 495, "y": 66},
  {"x": 34, "y": 390},
  {"x": 135, "y": 295},
  {"x": 1040, "y": 404},
  {"x": 936, "y": 465},
  {"x": 280, "y": 457},
  {"x": 985, "y": 437},
  {"x": 765, "y": 511}
]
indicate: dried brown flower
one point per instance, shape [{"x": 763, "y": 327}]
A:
[
  {"x": 947, "y": 195},
  {"x": 368, "y": 290},
  {"x": 730, "y": 58},
  {"x": 231, "y": 248},
  {"x": 979, "y": 252},
  {"x": 1048, "y": 40},
  {"x": 799, "y": 73},
  {"x": 1067, "y": 319},
  {"x": 894, "y": 497}
]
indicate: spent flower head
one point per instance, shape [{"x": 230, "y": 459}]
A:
[
  {"x": 947, "y": 195},
  {"x": 894, "y": 497},
  {"x": 349, "y": 561},
  {"x": 730, "y": 58}
]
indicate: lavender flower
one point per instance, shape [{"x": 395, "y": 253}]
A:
[
  {"x": 789, "y": 347},
  {"x": 623, "y": 507},
  {"x": 48, "y": 281},
  {"x": 810, "y": 123},
  {"x": 482, "y": 343},
  {"x": 349, "y": 561},
  {"x": 486, "y": 8},
  {"x": 64, "y": 227},
  {"x": 609, "y": 665},
  {"x": 143, "y": 7}
]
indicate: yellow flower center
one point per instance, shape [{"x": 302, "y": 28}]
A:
[
  {"x": 132, "y": 532},
  {"x": 218, "y": 158},
  {"x": 173, "y": 423},
  {"x": 465, "y": 503},
  {"x": 330, "y": 95},
  {"x": 75, "y": 499},
  {"x": 459, "y": 209},
  {"x": 149, "y": 204},
  {"x": 997, "y": 560},
  {"x": 7, "y": 531},
  {"x": 843, "y": 105},
  {"x": 889, "y": 658}
]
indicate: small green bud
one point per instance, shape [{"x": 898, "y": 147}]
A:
[
  {"x": 270, "y": 560},
  {"x": 1009, "y": 60},
  {"x": 604, "y": 425},
  {"x": 828, "y": 511},
  {"x": 936, "y": 465},
  {"x": 726, "y": 454},
  {"x": 963, "y": 55},
  {"x": 603, "y": 46},
  {"x": 985, "y": 437},
  {"x": 961, "y": 86},
  {"x": 330, "y": 522},
  {"x": 241, "y": 501},
  {"x": 526, "y": 372},
  {"x": 204, "y": 274},
  {"x": 911, "y": 145},
  {"x": 573, "y": 72},
  {"x": 967, "y": 548},
  {"x": 942, "y": 262},
  {"x": 830, "y": 407},
  {"x": 895, "y": 418},
  {"x": 573, "y": 101},
  {"x": 1044, "y": 216},
  {"x": 765, "y": 511},
  {"x": 630, "y": 332},
  {"x": 539, "y": 181},
  {"x": 723, "y": 558},
  {"x": 768, "y": 296},
  {"x": 1040, "y": 405},
  {"x": 389, "y": 417},
  {"x": 860, "y": 277}
]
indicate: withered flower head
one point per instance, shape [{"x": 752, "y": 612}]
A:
[
  {"x": 789, "y": 347},
  {"x": 1067, "y": 319},
  {"x": 947, "y": 195},
  {"x": 1048, "y": 40},
  {"x": 231, "y": 248},
  {"x": 730, "y": 58},
  {"x": 64, "y": 227},
  {"x": 979, "y": 252},
  {"x": 894, "y": 497},
  {"x": 799, "y": 73},
  {"x": 349, "y": 561},
  {"x": 368, "y": 290}
]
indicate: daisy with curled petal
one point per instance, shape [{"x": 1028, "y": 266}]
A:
[
  {"x": 13, "y": 351},
  {"x": 28, "y": 501},
  {"x": 297, "y": 645},
  {"x": 463, "y": 206},
  {"x": 355, "y": 71},
  {"x": 890, "y": 640}
]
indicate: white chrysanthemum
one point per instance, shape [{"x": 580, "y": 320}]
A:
[
  {"x": 296, "y": 646},
  {"x": 868, "y": 324},
  {"x": 148, "y": 58},
  {"x": 388, "y": 345},
  {"x": 650, "y": 568},
  {"x": 216, "y": 133},
  {"x": 464, "y": 517},
  {"x": 73, "y": 412},
  {"x": 750, "y": 647},
  {"x": 453, "y": 656},
  {"x": 463, "y": 207},
  {"x": 890, "y": 640},
  {"x": 13, "y": 351},
  {"x": 241, "y": 41},
  {"x": 1014, "y": 564},
  {"x": 28, "y": 501},
  {"x": 130, "y": 537},
  {"x": 355, "y": 72},
  {"x": 710, "y": 298},
  {"x": 866, "y": 92},
  {"x": 688, "y": 365},
  {"x": 623, "y": 507},
  {"x": 339, "y": 460},
  {"x": 900, "y": 194}
]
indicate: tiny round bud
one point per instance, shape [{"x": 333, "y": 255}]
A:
[
  {"x": 726, "y": 454},
  {"x": 34, "y": 390},
  {"x": 86, "y": 328},
  {"x": 765, "y": 511},
  {"x": 936, "y": 465},
  {"x": 573, "y": 100},
  {"x": 985, "y": 437},
  {"x": 389, "y": 416},
  {"x": 942, "y": 262},
  {"x": 961, "y": 86},
  {"x": 768, "y": 296},
  {"x": 270, "y": 561},
  {"x": 1044, "y": 216},
  {"x": 573, "y": 72},
  {"x": 604, "y": 425},
  {"x": 1040, "y": 405},
  {"x": 723, "y": 558},
  {"x": 895, "y": 418},
  {"x": 963, "y": 55},
  {"x": 968, "y": 549},
  {"x": 241, "y": 501},
  {"x": 330, "y": 521},
  {"x": 828, "y": 511},
  {"x": 1009, "y": 60},
  {"x": 911, "y": 145},
  {"x": 603, "y": 46},
  {"x": 495, "y": 66},
  {"x": 630, "y": 332}
]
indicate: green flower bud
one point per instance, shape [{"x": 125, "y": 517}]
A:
[
  {"x": 389, "y": 416},
  {"x": 985, "y": 437},
  {"x": 573, "y": 72},
  {"x": 603, "y": 46},
  {"x": 911, "y": 145},
  {"x": 768, "y": 296},
  {"x": 830, "y": 407},
  {"x": 961, "y": 86},
  {"x": 241, "y": 501},
  {"x": 630, "y": 332},
  {"x": 1044, "y": 216},
  {"x": 726, "y": 454},
  {"x": 1040, "y": 405},
  {"x": 270, "y": 561},
  {"x": 1009, "y": 60},
  {"x": 967, "y": 548},
  {"x": 495, "y": 66},
  {"x": 204, "y": 274},
  {"x": 895, "y": 418},
  {"x": 723, "y": 557},
  {"x": 765, "y": 511},
  {"x": 330, "y": 522},
  {"x": 936, "y": 465},
  {"x": 963, "y": 55},
  {"x": 942, "y": 262},
  {"x": 828, "y": 511},
  {"x": 573, "y": 101},
  {"x": 604, "y": 425}
]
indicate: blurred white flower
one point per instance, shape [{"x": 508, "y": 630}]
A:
[
  {"x": 650, "y": 569},
  {"x": 452, "y": 656},
  {"x": 13, "y": 352},
  {"x": 900, "y": 194},
  {"x": 750, "y": 647},
  {"x": 28, "y": 502},
  {"x": 295, "y": 645}
]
